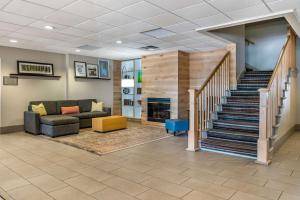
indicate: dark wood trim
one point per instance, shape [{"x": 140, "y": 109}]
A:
[
  {"x": 11, "y": 129},
  {"x": 34, "y": 76},
  {"x": 20, "y": 61}
]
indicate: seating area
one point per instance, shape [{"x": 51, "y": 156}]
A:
[
  {"x": 57, "y": 124},
  {"x": 149, "y": 99}
]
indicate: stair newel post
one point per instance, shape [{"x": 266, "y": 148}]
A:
[
  {"x": 263, "y": 142},
  {"x": 193, "y": 134}
]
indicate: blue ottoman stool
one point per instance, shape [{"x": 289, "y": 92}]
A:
[{"x": 177, "y": 125}]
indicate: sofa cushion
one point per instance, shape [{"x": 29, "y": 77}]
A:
[
  {"x": 49, "y": 105},
  {"x": 85, "y": 105},
  {"x": 65, "y": 103},
  {"x": 55, "y": 120},
  {"x": 89, "y": 115}
]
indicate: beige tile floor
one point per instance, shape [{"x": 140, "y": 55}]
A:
[{"x": 34, "y": 168}]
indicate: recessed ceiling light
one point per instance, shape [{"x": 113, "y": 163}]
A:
[
  {"x": 13, "y": 41},
  {"x": 119, "y": 42},
  {"x": 47, "y": 27},
  {"x": 77, "y": 50}
]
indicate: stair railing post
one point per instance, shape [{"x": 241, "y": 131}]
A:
[
  {"x": 263, "y": 143},
  {"x": 193, "y": 134}
]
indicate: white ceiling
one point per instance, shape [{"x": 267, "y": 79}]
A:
[{"x": 102, "y": 22}]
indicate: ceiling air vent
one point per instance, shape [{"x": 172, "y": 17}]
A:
[
  {"x": 158, "y": 33},
  {"x": 88, "y": 47},
  {"x": 149, "y": 48}
]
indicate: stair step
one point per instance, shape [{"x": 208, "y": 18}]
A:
[
  {"x": 241, "y": 107},
  {"x": 239, "y": 116},
  {"x": 244, "y": 93},
  {"x": 235, "y": 125},
  {"x": 232, "y": 135},
  {"x": 229, "y": 146}
]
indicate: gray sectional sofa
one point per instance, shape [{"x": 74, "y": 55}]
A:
[{"x": 55, "y": 124}]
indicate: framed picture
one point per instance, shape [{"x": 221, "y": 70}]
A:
[
  {"x": 35, "y": 68},
  {"x": 80, "y": 69},
  {"x": 104, "y": 71},
  {"x": 92, "y": 71}
]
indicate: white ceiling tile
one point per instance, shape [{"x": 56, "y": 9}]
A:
[
  {"x": 142, "y": 10},
  {"x": 27, "y": 9},
  {"x": 15, "y": 19},
  {"x": 17, "y": 35},
  {"x": 93, "y": 26},
  {"x": 64, "y": 18},
  {"x": 136, "y": 37},
  {"x": 174, "y": 4},
  {"x": 253, "y": 11},
  {"x": 152, "y": 41},
  {"x": 137, "y": 27},
  {"x": 4, "y": 33},
  {"x": 135, "y": 45},
  {"x": 3, "y": 3},
  {"x": 86, "y": 9},
  {"x": 9, "y": 27},
  {"x": 56, "y": 4},
  {"x": 188, "y": 41},
  {"x": 115, "y": 19},
  {"x": 165, "y": 19},
  {"x": 174, "y": 38},
  {"x": 182, "y": 27},
  {"x": 230, "y": 5},
  {"x": 75, "y": 32},
  {"x": 114, "y": 4},
  {"x": 212, "y": 20},
  {"x": 284, "y": 4},
  {"x": 196, "y": 11},
  {"x": 41, "y": 24}
]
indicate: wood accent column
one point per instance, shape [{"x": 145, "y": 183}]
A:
[
  {"x": 117, "y": 97},
  {"x": 193, "y": 135},
  {"x": 263, "y": 142}
]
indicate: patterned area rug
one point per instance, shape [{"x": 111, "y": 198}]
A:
[{"x": 103, "y": 143}]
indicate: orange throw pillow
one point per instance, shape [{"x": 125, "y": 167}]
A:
[{"x": 69, "y": 110}]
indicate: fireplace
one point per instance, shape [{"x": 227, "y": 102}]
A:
[{"x": 158, "y": 109}]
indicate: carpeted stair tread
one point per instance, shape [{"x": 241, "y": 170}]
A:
[
  {"x": 255, "y": 135},
  {"x": 239, "y": 113},
  {"x": 236, "y": 123},
  {"x": 232, "y": 135},
  {"x": 243, "y": 93},
  {"x": 248, "y": 149}
]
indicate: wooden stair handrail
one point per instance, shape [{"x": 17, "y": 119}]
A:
[
  {"x": 278, "y": 62},
  {"x": 212, "y": 74}
]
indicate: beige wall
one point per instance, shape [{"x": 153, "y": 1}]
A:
[
  {"x": 14, "y": 99},
  {"x": 84, "y": 88}
]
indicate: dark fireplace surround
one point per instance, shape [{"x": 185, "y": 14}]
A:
[{"x": 158, "y": 109}]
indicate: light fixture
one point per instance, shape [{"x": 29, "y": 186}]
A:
[
  {"x": 48, "y": 27},
  {"x": 77, "y": 50},
  {"x": 119, "y": 42},
  {"x": 13, "y": 41}
]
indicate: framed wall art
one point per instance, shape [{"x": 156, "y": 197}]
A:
[
  {"x": 80, "y": 69},
  {"x": 92, "y": 71},
  {"x": 35, "y": 68},
  {"x": 104, "y": 71}
]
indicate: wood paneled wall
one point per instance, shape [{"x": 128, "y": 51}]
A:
[
  {"x": 183, "y": 84},
  {"x": 203, "y": 63},
  {"x": 117, "y": 98},
  {"x": 166, "y": 76}
]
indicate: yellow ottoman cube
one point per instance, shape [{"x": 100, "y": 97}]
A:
[{"x": 111, "y": 123}]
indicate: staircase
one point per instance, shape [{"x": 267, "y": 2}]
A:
[{"x": 234, "y": 128}]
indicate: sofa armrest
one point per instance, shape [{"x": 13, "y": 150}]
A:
[
  {"x": 107, "y": 110},
  {"x": 32, "y": 122}
]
